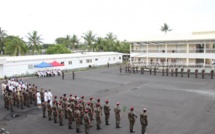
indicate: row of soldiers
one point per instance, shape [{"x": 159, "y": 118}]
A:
[
  {"x": 20, "y": 98},
  {"x": 172, "y": 71},
  {"x": 79, "y": 110}
]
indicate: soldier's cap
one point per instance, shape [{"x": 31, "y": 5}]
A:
[
  {"x": 117, "y": 103},
  {"x": 88, "y": 102},
  {"x": 70, "y": 94},
  {"x": 106, "y": 101},
  {"x": 91, "y": 98},
  {"x": 61, "y": 97},
  {"x": 144, "y": 109},
  {"x": 98, "y": 99},
  {"x": 55, "y": 96},
  {"x": 98, "y": 104},
  {"x": 59, "y": 103},
  {"x": 64, "y": 94},
  {"x": 80, "y": 101},
  {"x": 77, "y": 106},
  {"x": 82, "y": 96},
  {"x": 75, "y": 96},
  {"x": 54, "y": 101},
  {"x": 132, "y": 107},
  {"x": 86, "y": 111}
]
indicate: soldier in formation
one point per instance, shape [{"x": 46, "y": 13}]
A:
[
  {"x": 131, "y": 118},
  {"x": 107, "y": 112},
  {"x": 143, "y": 121}
]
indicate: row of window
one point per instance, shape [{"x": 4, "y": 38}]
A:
[{"x": 30, "y": 66}]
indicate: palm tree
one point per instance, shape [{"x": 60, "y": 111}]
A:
[
  {"x": 34, "y": 41},
  {"x": 15, "y": 46},
  {"x": 89, "y": 38},
  {"x": 67, "y": 41},
  {"x": 74, "y": 41},
  {"x": 2, "y": 40},
  {"x": 110, "y": 37},
  {"x": 165, "y": 28},
  {"x": 99, "y": 44}
]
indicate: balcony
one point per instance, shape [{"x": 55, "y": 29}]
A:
[{"x": 207, "y": 50}]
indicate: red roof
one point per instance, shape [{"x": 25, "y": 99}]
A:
[{"x": 55, "y": 64}]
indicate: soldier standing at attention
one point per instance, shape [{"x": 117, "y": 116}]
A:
[
  {"x": 92, "y": 107},
  {"x": 69, "y": 115},
  {"x": 100, "y": 107},
  {"x": 131, "y": 118},
  {"x": 77, "y": 119},
  {"x": 49, "y": 110},
  {"x": 42, "y": 94},
  {"x": 10, "y": 101},
  {"x": 143, "y": 121},
  {"x": 54, "y": 108},
  {"x": 98, "y": 116},
  {"x": 107, "y": 112},
  {"x": 73, "y": 74},
  {"x": 117, "y": 115},
  {"x": 81, "y": 108},
  {"x": 44, "y": 108},
  {"x": 62, "y": 75},
  {"x": 60, "y": 114},
  {"x": 21, "y": 99},
  {"x": 89, "y": 109},
  {"x": 87, "y": 122}
]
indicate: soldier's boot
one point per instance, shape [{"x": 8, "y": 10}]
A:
[
  {"x": 98, "y": 128},
  {"x": 78, "y": 130},
  {"x": 117, "y": 126},
  {"x": 132, "y": 131},
  {"x": 50, "y": 119},
  {"x": 70, "y": 127},
  {"x": 44, "y": 116},
  {"x": 61, "y": 124},
  {"x": 107, "y": 123}
]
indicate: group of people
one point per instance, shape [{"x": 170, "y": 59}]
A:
[
  {"x": 18, "y": 93},
  {"x": 83, "y": 112},
  {"x": 49, "y": 73}
]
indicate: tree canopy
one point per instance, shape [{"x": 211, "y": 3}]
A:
[
  {"x": 57, "y": 49},
  {"x": 165, "y": 28}
]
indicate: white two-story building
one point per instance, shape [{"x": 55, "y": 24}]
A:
[{"x": 196, "y": 49}]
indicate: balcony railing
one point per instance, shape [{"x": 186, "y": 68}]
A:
[{"x": 175, "y": 51}]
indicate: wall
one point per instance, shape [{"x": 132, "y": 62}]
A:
[{"x": 22, "y": 67}]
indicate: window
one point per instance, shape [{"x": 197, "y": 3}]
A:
[
  {"x": 62, "y": 63},
  {"x": 88, "y": 60},
  {"x": 70, "y": 62},
  {"x": 96, "y": 59},
  {"x": 120, "y": 58},
  {"x": 81, "y": 61},
  {"x": 30, "y": 66}
]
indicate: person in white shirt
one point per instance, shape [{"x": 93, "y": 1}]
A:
[
  {"x": 38, "y": 98},
  {"x": 45, "y": 96},
  {"x": 50, "y": 96}
]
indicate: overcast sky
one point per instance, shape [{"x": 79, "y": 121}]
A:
[{"x": 128, "y": 19}]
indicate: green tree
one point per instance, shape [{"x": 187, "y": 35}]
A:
[
  {"x": 15, "y": 46},
  {"x": 57, "y": 49},
  {"x": 3, "y": 35},
  {"x": 165, "y": 28},
  {"x": 111, "y": 37},
  {"x": 74, "y": 41},
  {"x": 68, "y": 41},
  {"x": 89, "y": 38},
  {"x": 60, "y": 40},
  {"x": 34, "y": 41}
]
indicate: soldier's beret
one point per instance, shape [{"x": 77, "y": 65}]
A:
[
  {"x": 75, "y": 96},
  {"x": 88, "y": 102},
  {"x": 132, "y": 107},
  {"x": 68, "y": 105},
  {"x": 98, "y": 99},
  {"x": 144, "y": 109},
  {"x": 82, "y": 96},
  {"x": 77, "y": 106},
  {"x": 98, "y": 104},
  {"x": 61, "y": 97},
  {"x": 70, "y": 94},
  {"x": 106, "y": 101},
  {"x": 91, "y": 98},
  {"x": 80, "y": 101},
  {"x": 117, "y": 103},
  {"x": 86, "y": 111},
  {"x": 55, "y": 96}
]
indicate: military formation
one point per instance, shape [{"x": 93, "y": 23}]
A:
[
  {"x": 79, "y": 111},
  {"x": 173, "y": 71}
]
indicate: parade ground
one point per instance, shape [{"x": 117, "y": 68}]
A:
[{"x": 175, "y": 105}]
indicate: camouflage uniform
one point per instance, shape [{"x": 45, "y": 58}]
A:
[
  {"x": 77, "y": 119},
  {"x": 87, "y": 122},
  {"x": 117, "y": 115},
  {"x": 44, "y": 108},
  {"x": 107, "y": 112},
  {"x": 93, "y": 109},
  {"x": 98, "y": 116},
  {"x": 131, "y": 118},
  {"x": 60, "y": 114},
  {"x": 54, "y": 109},
  {"x": 49, "y": 110},
  {"x": 144, "y": 122},
  {"x": 69, "y": 116}
]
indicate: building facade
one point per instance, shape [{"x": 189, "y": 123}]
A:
[
  {"x": 23, "y": 65},
  {"x": 195, "y": 50}
]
